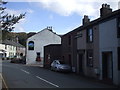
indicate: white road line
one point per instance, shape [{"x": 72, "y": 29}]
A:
[
  {"x": 47, "y": 81},
  {"x": 4, "y": 82},
  {"x": 25, "y": 71}
]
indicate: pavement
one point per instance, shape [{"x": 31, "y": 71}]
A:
[
  {"x": 0, "y": 74},
  {"x": 3, "y": 85},
  {"x": 0, "y": 81}
]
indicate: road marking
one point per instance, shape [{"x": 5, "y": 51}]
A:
[
  {"x": 47, "y": 81},
  {"x": 6, "y": 87},
  {"x": 25, "y": 71}
]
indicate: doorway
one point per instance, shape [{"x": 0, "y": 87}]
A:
[
  {"x": 80, "y": 58},
  {"x": 107, "y": 66}
]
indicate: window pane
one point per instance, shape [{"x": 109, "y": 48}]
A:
[
  {"x": 38, "y": 54},
  {"x": 90, "y": 32},
  {"x": 90, "y": 35},
  {"x": 91, "y": 38},
  {"x": 31, "y": 45}
]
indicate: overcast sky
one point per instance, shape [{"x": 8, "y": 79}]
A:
[{"x": 62, "y": 15}]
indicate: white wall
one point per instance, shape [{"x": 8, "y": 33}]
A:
[
  {"x": 11, "y": 49},
  {"x": 2, "y": 47},
  {"x": 109, "y": 42},
  {"x": 41, "y": 39}
]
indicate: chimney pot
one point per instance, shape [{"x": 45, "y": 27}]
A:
[
  {"x": 105, "y": 10},
  {"x": 49, "y": 28},
  {"x": 105, "y": 5},
  {"x": 108, "y": 6}
]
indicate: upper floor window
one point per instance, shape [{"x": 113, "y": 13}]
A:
[
  {"x": 90, "y": 35},
  {"x": 31, "y": 45},
  {"x": 118, "y": 31}
]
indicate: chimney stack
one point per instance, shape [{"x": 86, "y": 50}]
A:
[
  {"x": 105, "y": 10},
  {"x": 86, "y": 20},
  {"x": 49, "y": 28}
]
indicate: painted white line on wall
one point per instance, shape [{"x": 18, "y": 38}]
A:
[
  {"x": 25, "y": 71},
  {"x": 47, "y": 81}
]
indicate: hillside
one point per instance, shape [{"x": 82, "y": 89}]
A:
[{"x": 20, "y": 37}]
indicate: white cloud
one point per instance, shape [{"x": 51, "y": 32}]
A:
[
  {"x": 69, "y": 7},
  {"x": 61, "y": 0},
  {"x": 119, "y": 5},
  {"x": 11, "y": 11},
  {"x": 29, "y": 11},
  {"x": 17, "y": 12},
  {"x": 80, "y": 7},
  {"x": 19, "y": 26}
]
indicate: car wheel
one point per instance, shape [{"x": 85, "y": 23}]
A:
[
  {"x": 51, "y": 69},
  {"x": 56, "y": 69}
]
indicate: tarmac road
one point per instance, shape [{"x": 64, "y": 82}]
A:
[{"x": 22, "y": 76}]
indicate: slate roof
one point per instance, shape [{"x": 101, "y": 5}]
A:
[
  {"x": 48, "y": 30},
  {"x": 8, "y": 42},
  {"x": 97, "y": 21}
]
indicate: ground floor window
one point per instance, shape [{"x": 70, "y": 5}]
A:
[
  {"x": 90, "y": 58},
  {"x": 38, "y": 56}
]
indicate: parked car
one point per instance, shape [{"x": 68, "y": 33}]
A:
[
  {"x": 58, "y": 65},
  {"x": 19, "y": 60},
  {"x": 15, "y": 60}
]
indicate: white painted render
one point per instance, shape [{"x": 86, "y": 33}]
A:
[
  {"x": 108, "y": 42},
  {"x": 2, "y": 47},
  {"x": 20, "y": 50},
  {"x": 41, "y": 39},
  {"x": 9, "y": 50}
]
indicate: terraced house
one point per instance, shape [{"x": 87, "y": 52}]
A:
[
  {"x": 94, "y": 48},
  {"x": 10, "y": 49}
]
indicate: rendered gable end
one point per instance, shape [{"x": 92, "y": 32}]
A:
[{"x": 41, "y": 39}]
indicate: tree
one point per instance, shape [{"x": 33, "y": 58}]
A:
[
  {"x": 8, "y": 21},
  {"x": 22, "y": 37}
]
